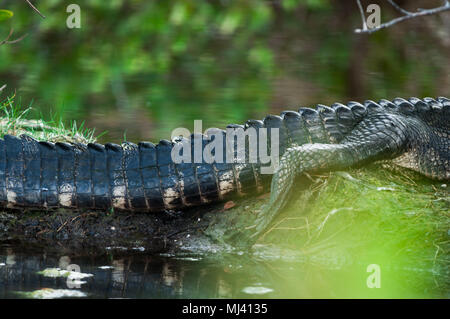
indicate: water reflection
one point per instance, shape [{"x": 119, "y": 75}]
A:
[{"x": 142, "y": 276}]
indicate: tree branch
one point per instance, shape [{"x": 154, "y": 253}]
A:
[
  {"x": 363, "y": 17},
  {"x": 6, "y": 41},
  {"x": 398, "y": 8},
  {"x": 406, "y": 15},
  {"x": 35, "y": 9}
]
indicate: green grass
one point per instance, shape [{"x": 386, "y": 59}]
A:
[
  {"x": 392, "y": 211},
  {"x": 14, "y": 121},
  {"x": 379, "y": 214}
]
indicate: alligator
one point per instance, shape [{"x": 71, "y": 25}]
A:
[{"x": 412, "y": 133}]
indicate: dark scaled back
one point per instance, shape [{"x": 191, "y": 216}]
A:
[
  {"x": 66, "y": 178},
  {"x": 32, "y": 171},
  {"x": 313, "y": 125},
  {"x": 330, "y": 123},
  {"x": 150, "y": 176},
  {"x": 133, "y": 176},
  {"x": 419, "y": 105},
  {"x": 99, "y": 176},
  {"x": 404, "y": 106},
  {"x": 144, "y": 177},
  {"x": 295, "y": 126},
  {"x": 359, "y": 111},
  {"x": 3, "y": 197},
  {"x": 345, "y": 119}
]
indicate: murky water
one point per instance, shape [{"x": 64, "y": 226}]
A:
[{"x": 262, "y": 273}]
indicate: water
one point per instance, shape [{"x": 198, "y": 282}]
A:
[
  {"x": 263, "y": 273},
  {"x": 154, "y": 67}
]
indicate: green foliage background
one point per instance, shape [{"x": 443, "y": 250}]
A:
[{"x": 146, "y": 67}]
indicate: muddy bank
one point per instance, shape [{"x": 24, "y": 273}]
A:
[
  {"x": 152, "y": 232},
  {"x": 87, "y": 229}
]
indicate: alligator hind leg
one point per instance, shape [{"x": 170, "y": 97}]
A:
[
  {"x": 307, "y": 158},
  {"x": 368, "y": 142}
]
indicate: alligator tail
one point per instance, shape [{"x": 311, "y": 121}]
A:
[{"x": 144, "y": 177}]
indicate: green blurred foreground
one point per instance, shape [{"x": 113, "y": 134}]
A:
[{"x": 347, "y": 221}]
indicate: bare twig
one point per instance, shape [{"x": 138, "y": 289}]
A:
[
  {"x": 406, "y": 15},
  {"x": 2, "y": 88},
  {"x": 6, "y": 41},
  {"x": 35, "y": 9},
  {"x": 363, "y": 17},
  {"x": 398, "y": 8},
  {"x": 7, "y": 38}
]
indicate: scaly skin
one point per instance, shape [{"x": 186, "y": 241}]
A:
[
  {"x": 414, "y": 133},
  {"x": 414, "y": 136}
]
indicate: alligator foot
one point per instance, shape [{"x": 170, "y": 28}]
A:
[{"x": 366, "y": 143}]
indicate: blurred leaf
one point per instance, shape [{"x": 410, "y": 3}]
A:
[
  {"x": 231, "y": 21},
  {"x": 318, "y": 4},
  {"x": 5, "y": 14},
  {"x": 179, "y": 13},
  {"x": 290, "y": 4},
  {"x": 312, "y": 4}
]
